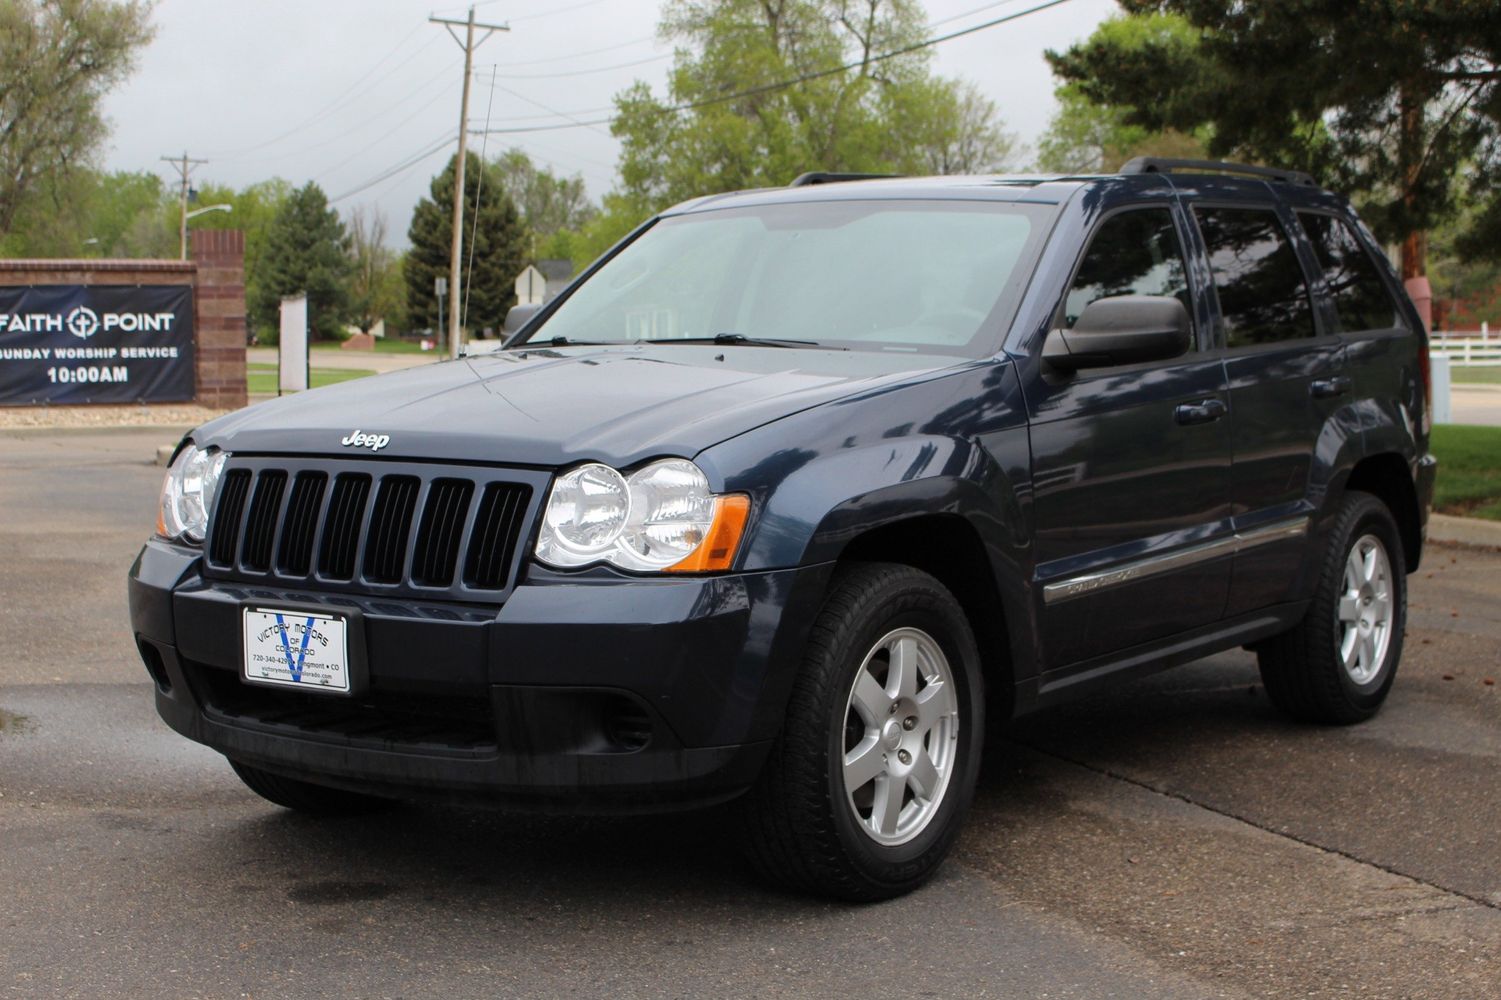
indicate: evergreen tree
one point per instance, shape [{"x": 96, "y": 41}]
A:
[
  {"x": 497, "y": 245},
  {"x": 306, "y": 250},
  {"x": 1395, "y": 100}
]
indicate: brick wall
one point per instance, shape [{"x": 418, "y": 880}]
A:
[
  {"x": 219, "y": 255},
  {"x": 217, "y": 274}
]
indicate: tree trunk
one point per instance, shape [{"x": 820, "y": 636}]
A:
[{"x": 1410, "y": 150}]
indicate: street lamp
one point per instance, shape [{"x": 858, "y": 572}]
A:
[{"x": 193, "y": 215}]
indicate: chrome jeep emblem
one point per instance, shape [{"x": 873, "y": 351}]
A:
[{"x": 359, "y": 439}]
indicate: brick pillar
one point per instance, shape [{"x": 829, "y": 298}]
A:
[{"x": 220, "y": 296}]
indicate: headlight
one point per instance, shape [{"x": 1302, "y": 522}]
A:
[
  {"x": 662, "y": 518},
  {"x": 188, "y": 493}
]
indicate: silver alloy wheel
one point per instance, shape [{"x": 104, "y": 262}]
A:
[
  {"x": 901, "y": 736},
  {"x": 1364, "y": 612}
]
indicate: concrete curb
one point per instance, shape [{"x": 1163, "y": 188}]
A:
[{"x": 1470, "y": 531}]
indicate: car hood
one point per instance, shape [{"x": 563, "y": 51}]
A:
[{"x": 554, "y": 407}]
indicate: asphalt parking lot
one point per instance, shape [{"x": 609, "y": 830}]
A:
[{"x": 1174, "y": 838}]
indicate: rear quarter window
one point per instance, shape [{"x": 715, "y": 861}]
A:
[{"x": 1361, "y": 299}]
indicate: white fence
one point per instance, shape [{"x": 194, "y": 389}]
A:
[{"x": 1467, "y": 351}]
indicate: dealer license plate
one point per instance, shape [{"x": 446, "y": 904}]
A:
[{"x": 297, "y": 649}]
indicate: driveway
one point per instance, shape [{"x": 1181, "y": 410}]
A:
[{"x": 1171, "y": 838}]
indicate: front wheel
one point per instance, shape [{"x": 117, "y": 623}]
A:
[
  {"x": 868, "y": 784},
  {"x": 1338, "y": 664}
]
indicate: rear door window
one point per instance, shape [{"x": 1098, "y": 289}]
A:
[
  {"x": 1134, "y": 253},
  {"x": 1262, "y": 291},
  {"x": 1361, "y": 299}
]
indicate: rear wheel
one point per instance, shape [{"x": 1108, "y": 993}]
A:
[
  {"x": 304, "y": 796},
  {"x": 1339, "y": 663},
  {"x": 868, "y": 784}
]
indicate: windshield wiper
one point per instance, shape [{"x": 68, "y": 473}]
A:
[
  {"x": 567, "y": 342},
  {"x": 735, "y": 340}
]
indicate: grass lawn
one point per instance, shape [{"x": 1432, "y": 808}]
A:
[
  {"x": 1474, "y": 373},
  {"x": 261, "y": 379},
  {"x": 385, "y": 345},
  {"x": 1469, "y": 470}
]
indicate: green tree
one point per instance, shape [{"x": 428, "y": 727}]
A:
[
  {"x": 1085, "y": 136},
  {"x": 377, "y": 290},
  {"x": 548, "y": 204},
  {"x": 729, "y": 120},
  {"x": 306, "y": 251},
  {"x": 1390, "y": 99},
  {"x": 58, "y": 58},
  {"x": 495, "y": 250},
  {"x": 253, "y": 209},
  {"x": 86, "y": 213}
]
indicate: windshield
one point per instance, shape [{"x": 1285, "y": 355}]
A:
[{"x": 915, "y": 276}]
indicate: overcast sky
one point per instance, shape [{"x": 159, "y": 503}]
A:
[{"x": 345, "y": 91}]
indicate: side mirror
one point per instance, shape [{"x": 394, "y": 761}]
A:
[
  {"x": 1123, "y": 330},
  {"x": 517, "y": 317}
]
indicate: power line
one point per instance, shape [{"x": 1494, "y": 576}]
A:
[
  {"x": 963, "y": 14},
  {"x": 937, "y": 40},
  {"x": 584, "y": 72},
  {"x": 479, "y": 187},
  {"x": 590, "y": 52},
  {"x": 184, "y": 167},
  {"x": 383, "y": 137},
  {"x": 456, "y": 258},
  {"x": 401, "y": 167},
  {"x": 539, "y": 14},
  {"x": 804, "y": 78},
  {"x": 535, "y": 103},
  {"x": 343, "y": 95}
]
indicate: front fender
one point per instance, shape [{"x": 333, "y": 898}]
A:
[{"x": 954, "y": 445}]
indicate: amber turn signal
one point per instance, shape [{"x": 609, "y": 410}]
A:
[{"x": 717, "y": 552}]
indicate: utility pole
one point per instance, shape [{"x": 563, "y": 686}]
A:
[
  {"x": 468, "y": 44},
  {"x": 184, "y": 168}
]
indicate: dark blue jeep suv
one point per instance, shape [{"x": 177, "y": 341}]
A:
[{"x": 792, "y": 487}]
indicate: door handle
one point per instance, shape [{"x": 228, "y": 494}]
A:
[
  {"x": 1328, "y": 388},
  {"x": 1202, "y": 412}
]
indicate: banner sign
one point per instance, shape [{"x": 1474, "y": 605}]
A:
[{"x": 96, "y": 344}]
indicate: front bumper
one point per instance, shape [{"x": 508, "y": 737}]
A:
[{"x": 594, "y": 693}]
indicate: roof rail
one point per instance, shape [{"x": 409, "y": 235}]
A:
[
  {"x": 1163, "y": 165},
  {"x": 824, "y": 177}
]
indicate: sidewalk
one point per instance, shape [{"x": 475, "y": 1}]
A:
[
  {"x": 1476, "y": 404},
  {"x": 1471, "y": 531},
  {"x": 358, "y": 360}
]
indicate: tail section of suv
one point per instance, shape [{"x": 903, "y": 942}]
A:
[{"x": 792, "y": 486}]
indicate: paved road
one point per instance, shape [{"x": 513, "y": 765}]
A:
[{"x": 1173, "y": 838}]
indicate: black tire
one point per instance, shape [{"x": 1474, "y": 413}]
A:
[
  {"x": 798, "y": 827},
  {"x": 304, "y": 796},
  {"x": 1304, "y": 673}
]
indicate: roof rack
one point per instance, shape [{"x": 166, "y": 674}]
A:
[
  {"x": 1163, "y": 165},
  {"x": 824, "y": 177}
]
